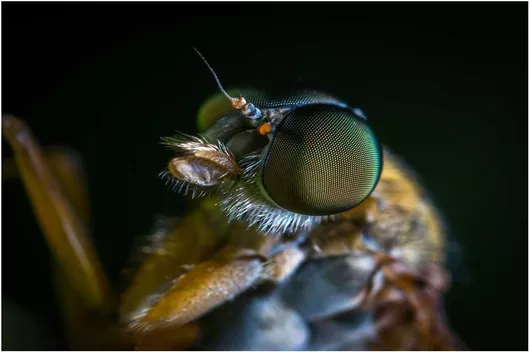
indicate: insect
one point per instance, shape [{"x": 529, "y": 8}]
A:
[{"x": 305, "y": 233}]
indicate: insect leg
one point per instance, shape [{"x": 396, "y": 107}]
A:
[
  {"x": 58, "y": 215},
  {"x": 422, "y": 300},
  {"x": 68, "y": 168},
  {"x": 167, "y": 338},
  {"x": 282, "y": 265},
  {"x": 207, "y": 285}
]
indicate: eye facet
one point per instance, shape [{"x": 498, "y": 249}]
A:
[{"x": 323, "y": 160}]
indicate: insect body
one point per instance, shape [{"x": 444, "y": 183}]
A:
[{"x": 307, "y": 234}]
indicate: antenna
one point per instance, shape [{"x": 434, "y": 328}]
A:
[
  {"x": 214, "y": 76},
  {"x": 247, "y": 109}
]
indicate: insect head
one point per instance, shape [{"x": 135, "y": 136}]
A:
[{"x": 281, "y": 162}]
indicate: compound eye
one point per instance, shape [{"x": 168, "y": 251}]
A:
[{"x": 323, "y": 160}]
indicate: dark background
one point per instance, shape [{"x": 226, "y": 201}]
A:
[{"x": 443, "y": 84}]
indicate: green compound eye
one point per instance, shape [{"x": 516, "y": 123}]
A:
[{"x": 322, "y": 160}]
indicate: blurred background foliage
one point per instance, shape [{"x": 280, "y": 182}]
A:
[{"x": 443, "y": 84}]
